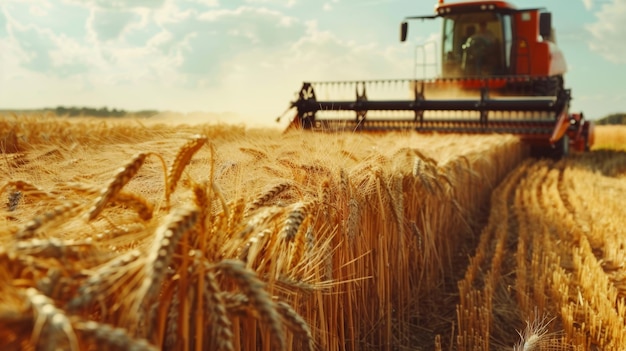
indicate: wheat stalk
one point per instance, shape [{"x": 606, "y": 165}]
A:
[{"x": 138, "y": 202}]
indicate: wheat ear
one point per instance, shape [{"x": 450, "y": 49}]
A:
[
  {"x": 237, "y": 304},
  {"x": 299, "y": 247},
  {"x": 123, "y": 176},
  {"x": 294, "y": 220},
  {"x": 183, "y": 157},
  {"x": 160, "y": 254},
  {"x": 171, "y": 323},
  {"x": 423, "y": 171},
  {"x": 257, "y": 154},
  {"x": 216, "y": 310},
  {"x": 296, "y": 323},
  {"x": 117, "y": 338},
  {"x": 51, "y": 247},
  {"x": 101, "y": 279},
  {"x": 50, "y": 324},
  {"x": 535, "y": 335},
  {"x": 254, "y": 289},
  {"x": 57, "y": 214},
  {"x": 266, "y": 197}
]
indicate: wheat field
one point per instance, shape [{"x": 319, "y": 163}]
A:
[{"x": 128, "y": 235}]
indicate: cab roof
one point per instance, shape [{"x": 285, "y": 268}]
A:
[
  {"x": 490, "y": 6},
  {"x": 443, "y": 8}
]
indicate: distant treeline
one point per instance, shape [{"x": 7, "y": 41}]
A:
[
  {"x": 616, "y": 118},
  {"x": 100, "y": 112}
]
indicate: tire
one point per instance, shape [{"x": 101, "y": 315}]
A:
[{"x": 561, "y": 148}]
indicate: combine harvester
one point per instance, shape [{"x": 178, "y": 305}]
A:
[{"x": 500, "y": 72}]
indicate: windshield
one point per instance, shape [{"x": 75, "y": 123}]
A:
[{"x": 472, "y": 45}]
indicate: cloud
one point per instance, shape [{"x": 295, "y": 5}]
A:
[
  {"x": 588, "y": 4},
  {"x": 209, "y": 43},
  {"x": 199, "y": 54},
  {"x": 110, "y": 24},
  {"x": 207, "y": 3},
  {"x": 45, "y": 52},
  {"x": 119, "y": 4},
  {"x": 4, "y": 23},
  {"x": 608, "y": 32},
  {"x": 285, "y": 3}
]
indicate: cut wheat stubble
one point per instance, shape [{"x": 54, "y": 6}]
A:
[{"x": 536, "y": 336}]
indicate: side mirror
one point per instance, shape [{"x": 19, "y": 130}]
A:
[
  {"x": 404, "y": 28},
  {"x": 545, "y": 25}
]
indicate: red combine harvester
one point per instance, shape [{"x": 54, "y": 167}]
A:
[{"x": 500, "y": 71}]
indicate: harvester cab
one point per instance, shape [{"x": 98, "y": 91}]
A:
[{"x": 500, "y": 72}]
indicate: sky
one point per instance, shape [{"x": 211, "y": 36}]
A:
[{"x": 244, "y": 60}]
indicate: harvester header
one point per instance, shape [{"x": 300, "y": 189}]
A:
[{"x": 500, "y": 72}]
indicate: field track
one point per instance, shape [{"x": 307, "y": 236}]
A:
[
  {"x": 126, "y": 235},
  {"x": 553, "y": 253}
]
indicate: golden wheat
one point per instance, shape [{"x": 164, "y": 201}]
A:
[{"x": 305, "y": 241}]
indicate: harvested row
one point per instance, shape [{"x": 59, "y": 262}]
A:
[
  {"x": 227, "y": 239},
  {"x": 550, "y": 263}
]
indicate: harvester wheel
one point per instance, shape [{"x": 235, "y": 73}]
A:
[
  {"x": 555, "y": 152},
  {"x": 561, "y": 148}
]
